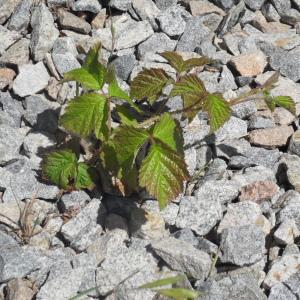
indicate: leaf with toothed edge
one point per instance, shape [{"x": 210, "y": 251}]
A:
[
  {"x": 149, "y": 84},
  {"x": 162, "y": 173}
]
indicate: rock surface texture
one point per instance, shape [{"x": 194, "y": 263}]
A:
[{"x": 244, "y": 207}]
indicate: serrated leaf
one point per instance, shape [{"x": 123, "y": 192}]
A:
[
  {"x": 60, "y": 167},
  {"x": 188, "y": 84},
  {"x": 169, "y": 131},
  {"x": 181, "y": 65},
  {"x": 126, "y": 116},
  {"x": 149, "y": 84},
  {"x": 84, "y": 178},
  {"x": 218, "y": 110},
  {"x": 163, "y": 282},
  {"x": 178, "y": 293},
  {"x": 85, "y": 115},
  {"x": 92, "y": 74},
  {"x": 174, "y": 59},
  {"x": 286, "y": 102},
  {"x": 82, "y": 76},
  {"x": 269, "y": 100},
  {"x": 192, "y": 91},
  {"x": 162, "y": 173},
  {"x": 196, "y": 62}
]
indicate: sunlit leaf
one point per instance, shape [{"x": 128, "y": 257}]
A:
[
  {"x": 84, "y": 178},
  {"x": 168, "y": 130},
  {"x": 286, "y": 102},
  {"x": 162, "y": 173},
  {"x": 85, "y": 115},
  {"x": 192, "y": 105},
  {"x": 188, "y": 84},
  {"x": 92, "y": 74},
  {"x": 163, "y": 282},
  {"x": 218, "y": 110},
  {"x": 60, "y": 167},
  {"x": 149, "y": 84},
  {"x": 126, "y": 116},
  {"x": 179, "y": 293},
  {"x": 196, "y": 62},
  {"x": 174, "y": 59}
]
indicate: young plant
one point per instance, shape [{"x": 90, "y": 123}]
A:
[{"x": 136, "y": 140}]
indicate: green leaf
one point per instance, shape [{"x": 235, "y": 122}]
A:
[
  {"x": 188, "y": 84},
  {"x": 269, "y": 100},
  {"x": 149, "y": 84},
  {"x": 127, "y": 141},
  {"x": 218, "y": 110},
  {"x": 192, "y": 91},
  {"x": 178, "y": 293},
  {"x": 180, "y": 65},
  {"x": 162, "y": 282},
  {"x": 162, "y": 173},
  {"x": 82, "y": 76},
  {"x": 92, "y": 74},
  {"x": 169, "y": 131},
  {"x": 60, "y": 167},
  {"x": 174, "y": 59},
  {"x": 285, "y": 102},
  {"x": 84, "y": 178},
  {"x": 126, "y": 116},
  {"x": 85, "y": 115},
  {"x": 196, "y": 62}
]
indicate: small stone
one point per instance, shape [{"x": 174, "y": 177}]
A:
[
  {"x": 240, "y": 214},
  {"x": 270, "y": 13},
  {"x": 225, "y": 4},
  {"x": 17, "y": 54},
  {"x": 204, "y": 7},
  {"x": 194, "y": 34},
  {"x": 260, "y": 122},
  {"x": 243, "y": 245},
  {"x": 255, "y": 4},
  {"x": 280, "y": 291},
  {"x": 291, "y": 249},
  {"x": 250, "y": 64},
  {"x": 65, "y": 62},
  {"x": 172, "y": 20},
  {"x": 10, "y": 142},
  {"x": 69, "y": 21},
  {"x": 282, "y": 270},
  {"x": 271, "y": 137},
  {"x": 244, "y": 110},
  {"x": 158, "y": 42},
  {"x": 283, "y": 116},
  {"x": 282, "y": 5},
  {"x": 7, "y": 8},
  {"x": 123, "y": 5},
  {"x": 99, "y": 20},
  {"x": 124, "y": 65},
  {"x": 291, "y": 16},
  {"x": 212, "y": 21},
  {"x": 31, "y": 79},
  {"x": 74, "y": 199},
  {"x": 147, "y": 225},
  {"x": 294, "y": 146},
  {"x": 199, "y": 214},
  {"x": 286, "y": 232},
  {"x": 6, "y": 77},
  {"x": 21, "y": 16},
  {"x": 44, "y": 33},
  {"x": 88, "y": 217},
  {"x": 20, "y": 289},
  {"x": 183, "y": 257},
  {"x": 146, "y": 10},
  {"x": 8, "y": 37},
  {"x": 92, "y": 6},
  {"x": 259, "y": 191},
  {"x": 128, "y": 34}
]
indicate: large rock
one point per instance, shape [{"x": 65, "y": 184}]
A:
[
  {"x": 7, "y": 8},
  {"x": 68, "y": 20},
  {"x": 8, "y": 37},
  {"x": 250, "y": 64},
  {"x": 44, "y": 32},
  {"x": 87, "y": 5},
  {"x": 183, "y": 257},
  {"x": 204, "y": 7},
  {"x": 271, "y": 137},
  {"x": 128, "y": 33},
  {"x": 31, "y": 79},
  {"x": 21, "y": 16},
  {"x": 199, "y": 213},
  {"x": 242, "y": 245},
  {"x": 294, "y": 146}
]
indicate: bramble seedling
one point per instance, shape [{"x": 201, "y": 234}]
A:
[{"x": 146, "y": 149}]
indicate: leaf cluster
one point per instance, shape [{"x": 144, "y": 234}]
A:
[{"x": 137, "y": 144}]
